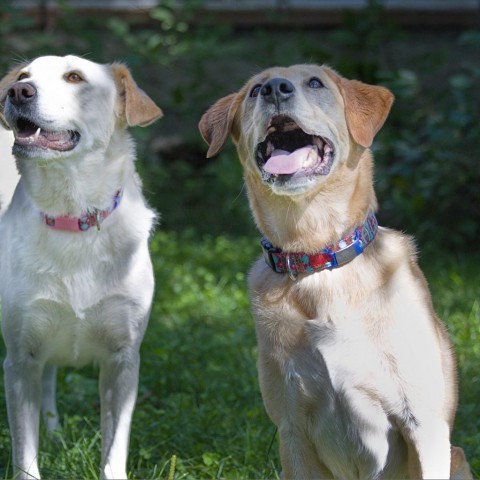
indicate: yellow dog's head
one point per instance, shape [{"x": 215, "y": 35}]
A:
[{"x": 294, "y": 126}]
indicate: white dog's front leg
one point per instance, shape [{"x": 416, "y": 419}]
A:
[
  {"x": 49, "y": 403},
  {"x": 23, "y": 393},
  {"x": 118, "y": 390}
]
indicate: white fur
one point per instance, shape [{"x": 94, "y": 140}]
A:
[
  {"x": 75, "y": 298},
  {"x": 8, "y": 172}
]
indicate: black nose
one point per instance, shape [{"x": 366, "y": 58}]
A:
[
  {"x": 277, "y": 90},
  {"x": 21, "y": 93}
]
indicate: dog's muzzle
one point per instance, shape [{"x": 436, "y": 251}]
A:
[
  {"x": 19, "y": 111},
  {"x": 29, "y": 134},
  {"x": 289, "y": 151}
]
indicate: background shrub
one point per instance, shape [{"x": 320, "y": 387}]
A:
[{"x": 427, "y": 171}]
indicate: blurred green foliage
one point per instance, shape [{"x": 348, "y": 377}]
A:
[
  {"x": 427, "y": 174},
  {"x": 428, "y": 178}
]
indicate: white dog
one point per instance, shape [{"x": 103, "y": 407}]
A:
[{"x": 76, "y": 278}]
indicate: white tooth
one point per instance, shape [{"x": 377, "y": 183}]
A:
[
  {"x": 310, "y": 160},
  {"x": 37, "y": 134},
  {"x": 270, "y": 149}
]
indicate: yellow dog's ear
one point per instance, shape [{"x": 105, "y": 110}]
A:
[
  {"x": 5, "y": 84},
  {"x": 216, "y": 123},
  {"x": 366, "y": 108},
  {"x": 138, "y": 108}
]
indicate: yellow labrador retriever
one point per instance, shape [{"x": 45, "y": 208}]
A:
[
  {"x": 76, "y": 280},
  {"x": 356, "y": 370}
]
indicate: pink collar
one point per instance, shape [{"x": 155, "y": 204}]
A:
[{"x": 83, "y": 223}]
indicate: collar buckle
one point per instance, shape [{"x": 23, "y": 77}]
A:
[
  {"x": 346, "y": 253},
  {"x": 268, "y": 251}
]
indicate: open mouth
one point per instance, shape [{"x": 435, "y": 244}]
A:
[
  {"x": 289, "y": 151},
  {"x": 29, "y": 134}
]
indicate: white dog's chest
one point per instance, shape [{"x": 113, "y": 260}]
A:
[
  {"x": 77, "y": 300},
  {"x": 68, "y": 337},
  {"x": 79, "y": 323}
]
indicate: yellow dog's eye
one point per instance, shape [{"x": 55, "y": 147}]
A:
[
  {"x": 255, "y": 90},
  {"x": 73, "y": 77},
  {"x": 23, "y": 76},
  {"x": 315, "y": 82}
]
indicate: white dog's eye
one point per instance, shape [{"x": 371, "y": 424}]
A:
[
  {"x": 23, "y": 76},
  {"x": 315, "y": 82},
  {"x": 255, "y": 90},
  {"x": 73, "y": 77}
]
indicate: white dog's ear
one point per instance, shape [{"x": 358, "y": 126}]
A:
[
  {"x": 5, "y": 84},
  {"x": 216, "y": 123},
  {"x": 137, "y": 107},
  {"x": 366, "y": 109}
]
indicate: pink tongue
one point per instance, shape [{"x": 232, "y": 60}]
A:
[{"x": 285, "y": 163}]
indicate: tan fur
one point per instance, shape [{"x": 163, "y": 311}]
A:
[
  {"x": 5, "y": 84},
  {"x": 356, "y": 370},
  {"x": 138, "y": 108}
]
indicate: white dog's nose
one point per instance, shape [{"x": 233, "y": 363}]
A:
[{"x": 21, "y": 93}]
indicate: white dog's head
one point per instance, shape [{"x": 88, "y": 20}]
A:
[{"x": 61, "y": 106}]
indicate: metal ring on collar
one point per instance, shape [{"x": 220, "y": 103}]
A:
[{"x": 291, "y": 272}]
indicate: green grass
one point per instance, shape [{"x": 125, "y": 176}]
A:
[
  {"x": 199, "y": 402},
  {"x": 455, "y": 287}
]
